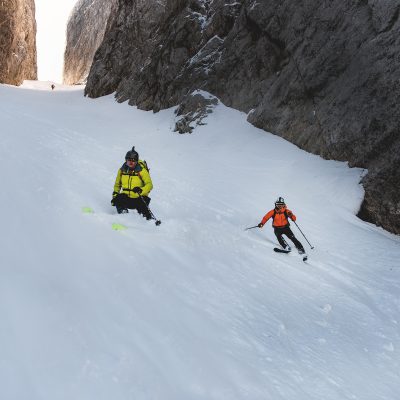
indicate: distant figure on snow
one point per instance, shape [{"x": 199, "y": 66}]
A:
[
  {"x": 132, "y": 186},
  {"x": 53, "y": 86},
  {"x": 280, "y": 221}
]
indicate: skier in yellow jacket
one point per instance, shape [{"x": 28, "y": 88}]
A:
[{"x": 132, "y": 186}]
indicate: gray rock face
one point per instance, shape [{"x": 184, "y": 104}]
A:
[
  {"x": 324, "y": 75},
  {"x": 337, "y": 96},
  {"x": 17, "y": 41},
  {"x": 127, "y": 47},
  {"x": 193, "y": 110},
  {"x": 85, "y": 32}
]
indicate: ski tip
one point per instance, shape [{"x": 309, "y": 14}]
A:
[
  {"x": 305, "y": 258},
  {"x": 118, "y": 227},
  {"x": 158, "y": 222}
]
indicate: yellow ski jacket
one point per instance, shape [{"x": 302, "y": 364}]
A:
[{"x": 127, "y": 179}]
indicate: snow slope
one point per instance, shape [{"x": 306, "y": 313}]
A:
[{"x": 197, "y": 308}]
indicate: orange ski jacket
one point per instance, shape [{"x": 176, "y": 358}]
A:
[{"x": 279, "y": 217}]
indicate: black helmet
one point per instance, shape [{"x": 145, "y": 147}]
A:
[
  {"x": 132, "y": 154},
  {"x": 280, "y": 201}
]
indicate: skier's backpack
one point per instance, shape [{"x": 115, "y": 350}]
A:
[
  {"x": 143, "y": 164},
  {"x": 273, "y": 217}
]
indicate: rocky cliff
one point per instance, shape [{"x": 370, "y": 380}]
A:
[
  {"x": 85, "y": 32},
  {"x": 323, "y": 74},
  {"x": 128, "y": 46},
  {"x": 17, "y": 41}
]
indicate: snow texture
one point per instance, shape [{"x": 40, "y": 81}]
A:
[{"x": 197, "y": 308}]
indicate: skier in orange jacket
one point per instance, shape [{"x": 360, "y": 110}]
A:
[{"x": 280, "y": 221}]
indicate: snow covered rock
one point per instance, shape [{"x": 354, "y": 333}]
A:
[
  {"x": 157, "y": 50},
  {"x": 17, "y": 41},
  {"x": 193, "y": 109},
  {"x": 85, "y": 32}
]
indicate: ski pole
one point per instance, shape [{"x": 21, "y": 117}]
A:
[
  {"x": 303, "y": 235},
  {"x": 251, "y": 227},
  {"x": 158, "y": 222}
]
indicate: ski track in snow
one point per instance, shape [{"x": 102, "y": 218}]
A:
[{"x": 196, "y": 308}]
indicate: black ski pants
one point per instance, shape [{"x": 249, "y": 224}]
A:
[
  {"x": 140, "y": 204},
  {"x": 285, "y": 230}
]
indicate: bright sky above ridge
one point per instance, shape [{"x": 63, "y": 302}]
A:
[{"x": 51, "y": 19}]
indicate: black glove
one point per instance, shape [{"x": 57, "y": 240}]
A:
[
  {"x": 260, "y": 225},
  {"x": 112, "y": 200},
  {"x": 137, "y": 190}
]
